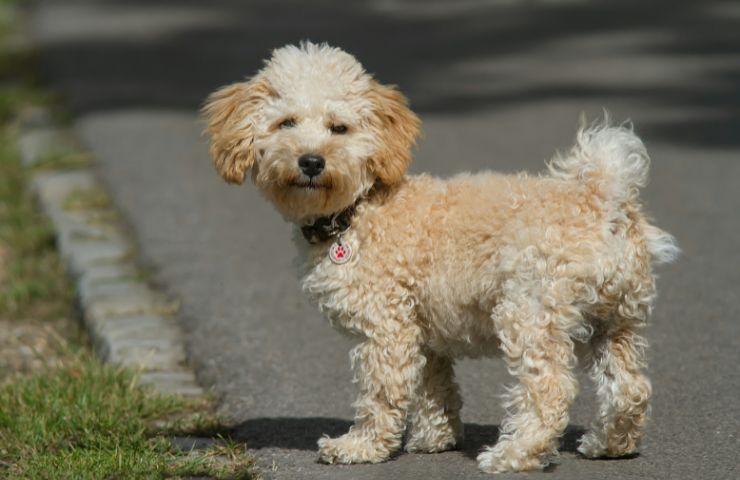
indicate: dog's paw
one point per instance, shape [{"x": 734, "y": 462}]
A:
[
  {"x": 506, "y": 456},
  {"x": 436, "y": 446},
  {"x": 434, "y": 441},
  {"x": 350, "y": 448},
  {"x": 591, "y": 445},
  {"x": 596, "y": 445}
]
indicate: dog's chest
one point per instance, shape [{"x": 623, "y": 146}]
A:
[{"x": 335, "y": 287}]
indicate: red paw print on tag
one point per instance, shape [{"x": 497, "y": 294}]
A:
[{"x": 340, "y": 253}]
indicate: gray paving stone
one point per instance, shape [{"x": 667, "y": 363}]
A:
[
  {"x": 179, "y": 382},
  {"x": 36, "y": 144},
  {"x": 112, "y": 289},
  {"x": 99, "y": 310},
  {"x": 82, "y": 254},
  {"x": 187, "y": 444},
  {"x": 190, "y": 443},
  {"x": 148, "y": 342},
  {"x": 108, "y": 272},
  {"x": 34, "y": 116},
  {"x": 54, "y": 187},
  {"x": 97, "y": 280},
  {"x": 148, "y": 354},
  {"x": 144, "y": 327},
  {"x": 134, "y": 321},
  {"x": 75, "y": 226}
]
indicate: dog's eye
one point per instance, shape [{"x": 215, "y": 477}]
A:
[
  {"x": 338, "y": 129},
  {"x": 287, "y": 123}
]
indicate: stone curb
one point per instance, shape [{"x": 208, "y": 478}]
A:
[{"x": 130, "y": 323}]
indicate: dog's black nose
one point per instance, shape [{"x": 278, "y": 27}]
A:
[{"x": 311, "y": 164}]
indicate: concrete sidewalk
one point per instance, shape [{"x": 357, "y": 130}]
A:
[{"x": 499, "y": 85}]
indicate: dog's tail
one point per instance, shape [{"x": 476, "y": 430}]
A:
[
  {"x": 614, "y": 162},
  {"x": 611, "y": 159}
]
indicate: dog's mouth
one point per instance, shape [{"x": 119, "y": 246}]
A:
[{"x": 309, "y": 185}]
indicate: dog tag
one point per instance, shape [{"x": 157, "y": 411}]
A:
[{"x": 340, "y": 252}]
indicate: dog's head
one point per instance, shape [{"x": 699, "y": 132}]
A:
[{"x": 315, "y": 130}]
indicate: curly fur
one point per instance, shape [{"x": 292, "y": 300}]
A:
[{"x": 486, "y": 264}]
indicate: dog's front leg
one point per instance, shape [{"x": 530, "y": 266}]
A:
[
  {"x": 435, "y": 424},
  {"x": 388, "y": 368}
]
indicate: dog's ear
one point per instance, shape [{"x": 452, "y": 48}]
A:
[
  {"x": 229, "y": 114},
  {"x": 397, "y": 128}
]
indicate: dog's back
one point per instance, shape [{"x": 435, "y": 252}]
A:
[{"x": 577, "y": 237}]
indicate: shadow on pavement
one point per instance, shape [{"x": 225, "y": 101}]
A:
[
  {"x": 445, "y": 56},
  {"x": 288, "y": 433},
  {"x": 478, "y": 437},
  {"x": 302, "y": 434}
]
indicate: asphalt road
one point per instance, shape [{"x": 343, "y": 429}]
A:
[{"x": 499, "y": 85}]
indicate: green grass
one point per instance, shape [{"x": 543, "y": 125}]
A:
[
  {"x": 84, "y": 420},
  {"x": 35, "y": 283}
]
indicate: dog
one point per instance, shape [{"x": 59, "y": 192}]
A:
[{"x": 543, "y": 271}]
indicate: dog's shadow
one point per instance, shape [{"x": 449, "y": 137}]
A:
[
  {"x": 302, "y": 434},
  {"x": 479, "y": 436}
]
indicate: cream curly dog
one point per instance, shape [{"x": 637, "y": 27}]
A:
[{"x": 540, "y": 270}]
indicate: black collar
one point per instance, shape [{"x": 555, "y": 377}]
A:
[{"x": 328, "y": 227}]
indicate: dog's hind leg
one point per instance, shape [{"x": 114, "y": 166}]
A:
[
  {"x": 623, "y": 392},
  {"x": 539, "y": 353},
  {"x": 616, "y": 366},
  {"x": 435, "y": 424}
]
